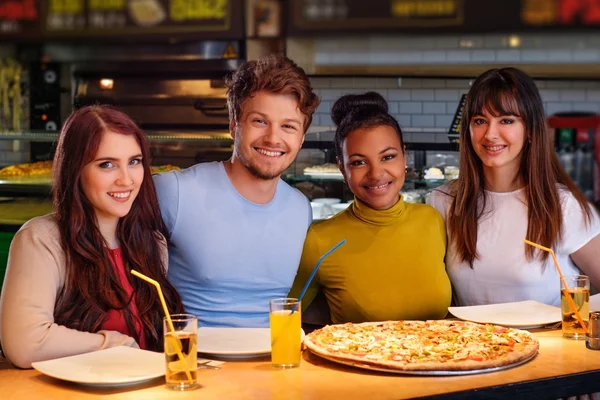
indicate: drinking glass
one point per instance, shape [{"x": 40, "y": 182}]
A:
[
  {"x": 181, "y": 351},
  {"x": 285, "y": 322},
  {"x": 578, "y": 291}
]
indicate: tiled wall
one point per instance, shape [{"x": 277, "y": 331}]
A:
[
  {"x": 425, "y": 107},
  {"x": 457, "y": 49}
]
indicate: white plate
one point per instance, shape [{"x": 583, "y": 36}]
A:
[
  {"x": 522, "y": 314},
  {"x": 595, "y": 302},
  {"x": 325, "y": 175},
  {"x": 111, "y": 367},
  {"x": 235, "y": 343}
]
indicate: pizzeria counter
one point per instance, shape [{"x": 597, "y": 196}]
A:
[{"x": 562, "y": 368}]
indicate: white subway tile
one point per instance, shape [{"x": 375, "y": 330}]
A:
[
  {"x": 592, "y": 95},
  {"x": 587, "y": 106},
  {"x": 534, "y": 56},
  {"x": 330, "y": 94},
  {"x": 560, "y": 56},
  {"x": 434, "y": 56},
  {"x": 325, "y": 120},
  {"x": 325, "y": 107},
  {"x": 434, "y": 108},
  {"x": 483, "y": 56},
  {"x": 411, "y": 83},
  {"x": 550, "y": 95},
  {"x": 434, "y": 83},
  {"x": 508, "y": 56},
  {"x": 494, "y": 41},
  {"x": 405, "y": 121},
  {"x": 422, "y": 94},
  {"x": 558, "y": 84},
  {"x": 320, "y": 82},
  {"x": 342, "y": 83},
  {"x": 585, "y": 85},
  {"x": 572, "y": 95},
  {"x": 586, "y": 55},
  {"x": 458, "y": 56},
  {"x": 540, "y": 84},
  {"x": 386, "y": 83},
  {"x": 398, "y": 94},
  {"x": 393, "y": 107},
  {"x": 411, "y": 107},
  {"x": 407, "y": 137},
  {"x": 450, "y": 42},
  {"x": 423, "y": 121},
  {"x": 443, "y": 121},
  {"x": 447, "y": 94},
  {"x": 364, "y": 83},
  {"x": 421, "y": 43},
  {"x": 451, "y": 107},
  {"x": 458, "y": 83},
  {"x": 552, "y": 108}
]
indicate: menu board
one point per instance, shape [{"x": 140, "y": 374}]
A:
[
  {"x": 19, "y": 18},
  {"x": 318, "y": 17},
  {"x": 142, "y": 17},
  {"x": 454, "y": 132}
]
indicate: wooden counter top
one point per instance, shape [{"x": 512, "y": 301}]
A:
[{"x": 573, "y": 369}]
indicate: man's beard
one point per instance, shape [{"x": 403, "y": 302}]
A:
[{"x": 253, "y": 168}]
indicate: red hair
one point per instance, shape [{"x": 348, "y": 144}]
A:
[{"x": 91, "y": 285}]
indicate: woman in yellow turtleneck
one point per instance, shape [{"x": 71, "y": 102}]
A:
[{"x": 392, "y": 265}]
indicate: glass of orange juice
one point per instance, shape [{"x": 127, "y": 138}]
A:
[{"x": 285, "y": 322}]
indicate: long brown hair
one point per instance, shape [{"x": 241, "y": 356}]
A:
[
  {"x": 91, "y": 285},
  {"x": 509, "y": 91}
]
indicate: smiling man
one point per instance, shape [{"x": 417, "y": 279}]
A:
[{"x": 236, "y": 229}]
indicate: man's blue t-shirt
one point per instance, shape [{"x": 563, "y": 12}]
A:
[{"x": 229, "y": 256}]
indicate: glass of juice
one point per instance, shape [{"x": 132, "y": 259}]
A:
[
  {"x": 578, "y": 290},
  {"x": 181, "y": 351},
  {"x": 285, "y": 332}
]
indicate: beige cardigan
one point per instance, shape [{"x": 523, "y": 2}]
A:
[{"x": 34, "y": 277}]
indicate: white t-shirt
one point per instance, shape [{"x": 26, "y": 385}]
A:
[{"x": 502, "y": 273}]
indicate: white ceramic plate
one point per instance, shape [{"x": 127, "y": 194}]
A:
[
  {"x": 325, "y": 175},
  {"x": 235, "y": 343},
  {"x": 595, "y": 302},
  {"x": 522, "y": 314},
  {"x": 111, "y": 367}
]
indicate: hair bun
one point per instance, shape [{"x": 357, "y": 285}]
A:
[{"x": 354, "y": 103}]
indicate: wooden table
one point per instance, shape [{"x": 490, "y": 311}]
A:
[{"x": 563, "y": 367}]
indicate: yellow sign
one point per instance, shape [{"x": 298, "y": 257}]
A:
[
  {"x": 184, "y": 10},
  {"x": 423, "y": 8},
  {"x": 230, "y": 52},
  {"x": 66, "y": 6}
]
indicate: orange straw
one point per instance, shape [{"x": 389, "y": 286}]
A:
[
  {"x": 178, "y": 346},
  {"x": 564, "y": 282}
]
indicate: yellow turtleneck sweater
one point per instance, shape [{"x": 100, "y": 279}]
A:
[{"x": 391, "y": 267}]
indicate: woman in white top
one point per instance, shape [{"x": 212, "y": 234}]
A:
[{"x": 512, "y": 187}]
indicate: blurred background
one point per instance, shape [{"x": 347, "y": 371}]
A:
[{"x": 163, "y": 62}]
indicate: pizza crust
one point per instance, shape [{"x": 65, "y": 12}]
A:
[{"x": 525, "y": 346}]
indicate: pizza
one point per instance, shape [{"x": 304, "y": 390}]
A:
[
  {"x": 441, "y": 345},
  {"x": 39, "y": 168}
]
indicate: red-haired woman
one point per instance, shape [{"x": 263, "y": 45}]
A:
[
  {"x": 512, "y": 187},
  {"x": 68, "y": 289}
]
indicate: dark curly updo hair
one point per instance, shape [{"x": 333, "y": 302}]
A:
[{"x": 361, "y": 111}]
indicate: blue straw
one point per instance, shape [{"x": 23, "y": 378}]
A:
[{"x": 314, "y": 271}]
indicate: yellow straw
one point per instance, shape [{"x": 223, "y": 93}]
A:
[
  {"x": 177, "y": 346},
  {"x": 564, "y": 282}
]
